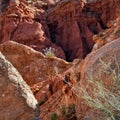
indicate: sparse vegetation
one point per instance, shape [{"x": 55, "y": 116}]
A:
[
  {"x": 50, "y": 52},
  {"x": 63, "y": 111},
  {"x": 99, "y": 96},
  {"x": 102, "y": 98}
]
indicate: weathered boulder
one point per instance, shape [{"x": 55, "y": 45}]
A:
[
  {"x": 45, "y": 76},
  {"x": 95, "y": 115},
  {"x": 17, "y": 100},
  {"x": 99, "y": 71},
  {"x": 95, "y": 62},
  {"x": 33, "y": 66}
]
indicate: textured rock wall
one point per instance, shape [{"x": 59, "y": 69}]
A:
[
  {"x": 52, "y": 80},
  {"x": 108, "y": 35},
  {"x": 73, "y": 23},
  {"x": 26, "y": 24},
  {"x": 17, "y": 100},
  {"x": 44, "y": 75},
  {"x": 99, "y": 66}
]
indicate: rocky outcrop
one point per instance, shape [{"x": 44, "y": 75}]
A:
[
  {"x": 33, "y": 66},
  {"x": 45, "y": 76},
  {"x": 108, "y": 54},
  {"x": 57, "y": 85},
  {"x": 68, "y": 26},
  {"x": 24, "y": 24},
  {"x": 73, "y": 23},
  {"x": 100, "y": 66},
  {"x": 108, "y": 35},
  {"x": 17, "y": 100}
]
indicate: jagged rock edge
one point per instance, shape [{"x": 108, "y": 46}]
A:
[{"x": 21, "y": 84}]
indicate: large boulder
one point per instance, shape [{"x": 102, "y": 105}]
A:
[
  {"x": 100, "y": 71},
  {"x": 17, "y": 101},
  {"x": 95, "y": 62},
  {"x": 33, "y": 65}
]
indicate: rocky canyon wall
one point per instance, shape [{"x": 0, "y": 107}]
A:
[
  {"x": 26, "y": 24},
  {"x": 72, "y": 24},
  {"x": 68, "y": 26}
]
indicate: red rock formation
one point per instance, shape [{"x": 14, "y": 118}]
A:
[
  {"x": 17, "y": 100},
  {"x": 108, "y": 35},
  {"x": 45, "y": 76},
  {"x": 49, "y": 87},
  {"x": 33, "y": 66},
  {"x": 23, "y": 24},
  {"x": 73, "y": 23},
  {"x": 54, "y": 82}
]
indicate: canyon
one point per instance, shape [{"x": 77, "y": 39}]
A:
[{"x": 84, "y": 36}]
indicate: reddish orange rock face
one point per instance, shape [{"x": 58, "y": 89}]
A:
[
  {"x": 41, "y": 73},
  {"x": 67, "y": 26},
  {"x": 108, "y": 35},
  {"x": 73, "y": 24},
  {"x": 21, "y": 23}
]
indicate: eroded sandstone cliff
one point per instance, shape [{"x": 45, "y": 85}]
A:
[
  {"x": 68, "y": 26},
  {"x": 73, "y": 23},
  {"x": 108, "y": 35},
  {"x": 27, "y": 25}
]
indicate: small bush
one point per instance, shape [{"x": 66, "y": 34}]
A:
[{"x": 50, "y": 52}]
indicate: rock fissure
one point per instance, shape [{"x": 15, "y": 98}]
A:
[{"x": 91, "y": 19}]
